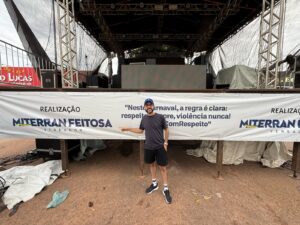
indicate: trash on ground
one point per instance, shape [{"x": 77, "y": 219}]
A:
[
  {"x": 219, "y": 195},
  {"x": 24, "y": 182},
  {"x": 58, "y": 198},
  {"x": 195, "y": 193},
  {"x": 206, "y": 197}
]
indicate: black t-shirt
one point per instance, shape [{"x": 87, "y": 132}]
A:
[{"x": 154, "y": 130}]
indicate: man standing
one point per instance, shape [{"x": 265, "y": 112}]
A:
[{"x": 156, "y": 146}]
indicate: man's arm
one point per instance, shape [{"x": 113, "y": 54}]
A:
[
  {"x": 134, "y": 130},
  {"x": 166, "y": 136}
]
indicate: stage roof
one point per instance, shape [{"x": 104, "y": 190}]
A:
[{"x": 187, "y": 26}]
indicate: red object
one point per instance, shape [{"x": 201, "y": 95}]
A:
[{"x": 25, "y": 76}]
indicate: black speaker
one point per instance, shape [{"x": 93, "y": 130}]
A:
[
  {"x": 209, "y": 81},
  {"x": 47, "y": 144},
  {"x": 116, "y": 81},
  {"x": 297, "y": 80},
  {"x": 222, "y": 86},
  {"x": 48, "y": 79},
  {"x": 200, "y": 60},
  {"x": 94, "y": 81}
]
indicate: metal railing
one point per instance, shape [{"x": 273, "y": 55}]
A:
[{"x": 15, "y": 61}]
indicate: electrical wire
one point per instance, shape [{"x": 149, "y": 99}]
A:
[{"x": 50, "y": 26}]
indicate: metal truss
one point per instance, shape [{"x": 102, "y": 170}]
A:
[
  {"x": 207, "y": 9},
  {"x": 67, "y": 43},
  {"x": 270, "y": 43},
  {"x": 230, "y": 8},
  {"x": 147, "y": 37}
]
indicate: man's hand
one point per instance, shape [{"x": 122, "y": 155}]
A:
[
  {"x": 123, "y": 129},
  {"x": 166, "y": 146}
]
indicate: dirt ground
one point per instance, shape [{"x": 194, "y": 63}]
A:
[
  {"x": 12, "y": 147},
  {"x": 249, "y": 194}
]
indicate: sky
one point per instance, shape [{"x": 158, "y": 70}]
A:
[
  {"x": 8, "y": 32},
  {"x": 41, "y": 24}
]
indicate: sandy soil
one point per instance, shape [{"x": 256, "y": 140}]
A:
[
  {"x": 12, "y": 147},
  {"x": 250, "y": 194}
]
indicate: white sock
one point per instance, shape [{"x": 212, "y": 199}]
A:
[
  {"x": 154, "y": 182},
  {"x": 166, "y": 187}
]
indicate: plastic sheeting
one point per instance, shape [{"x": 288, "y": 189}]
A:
[
  {"x": 39, "y": 16},
  {"x": 242, "y": 48},
  {"x": 237, "y": 77},
  {"x": 88, "y": 147},
  {"x": 24, "y": 182},
  {"x": 270, "y": 154}
]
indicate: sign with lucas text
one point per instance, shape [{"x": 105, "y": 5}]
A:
[{"x": 22, "y": 76}]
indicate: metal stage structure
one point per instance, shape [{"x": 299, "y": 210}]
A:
[
  {"x": 270, "y": 43},
  {"x": 185, "y": 27},
  {"x": 67, "y": 43}
]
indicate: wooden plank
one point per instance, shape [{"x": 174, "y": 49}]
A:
[
  {"x": 296, "y": 159},
  {"x": 219, "y": 159},
  {"x": 64, "y": 155},
  {"x": 142, "y": 157}
]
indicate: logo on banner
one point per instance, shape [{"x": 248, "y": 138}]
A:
[
  {"x": 255, "y": 123},
  {"x": 61, "y": 123}
]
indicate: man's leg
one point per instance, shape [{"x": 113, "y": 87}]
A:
[
  {"x": 162, "y": 161},
  {"x": 153, "y": 170},
  {"x": 164, "y": 174},
  {"x": 150, "y": 159},
  {"x": 166, "y": 192}
]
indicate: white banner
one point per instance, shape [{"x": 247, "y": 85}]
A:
[{"x": 190, "y": 116}]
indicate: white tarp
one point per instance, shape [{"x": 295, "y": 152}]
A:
[
  {"x": 237, "y": 77},
  {"x": 270, "y": 154},
  {"x": 24, "y": 182},
  {"x": 242, "y": 48},
  {"x": 88, "y": 148},
  {"x": 190, "y": 116}
]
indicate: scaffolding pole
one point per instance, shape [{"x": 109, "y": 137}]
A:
[
  {"x": 67, "y": 43},
  {"x": 270, "y": 43}
]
